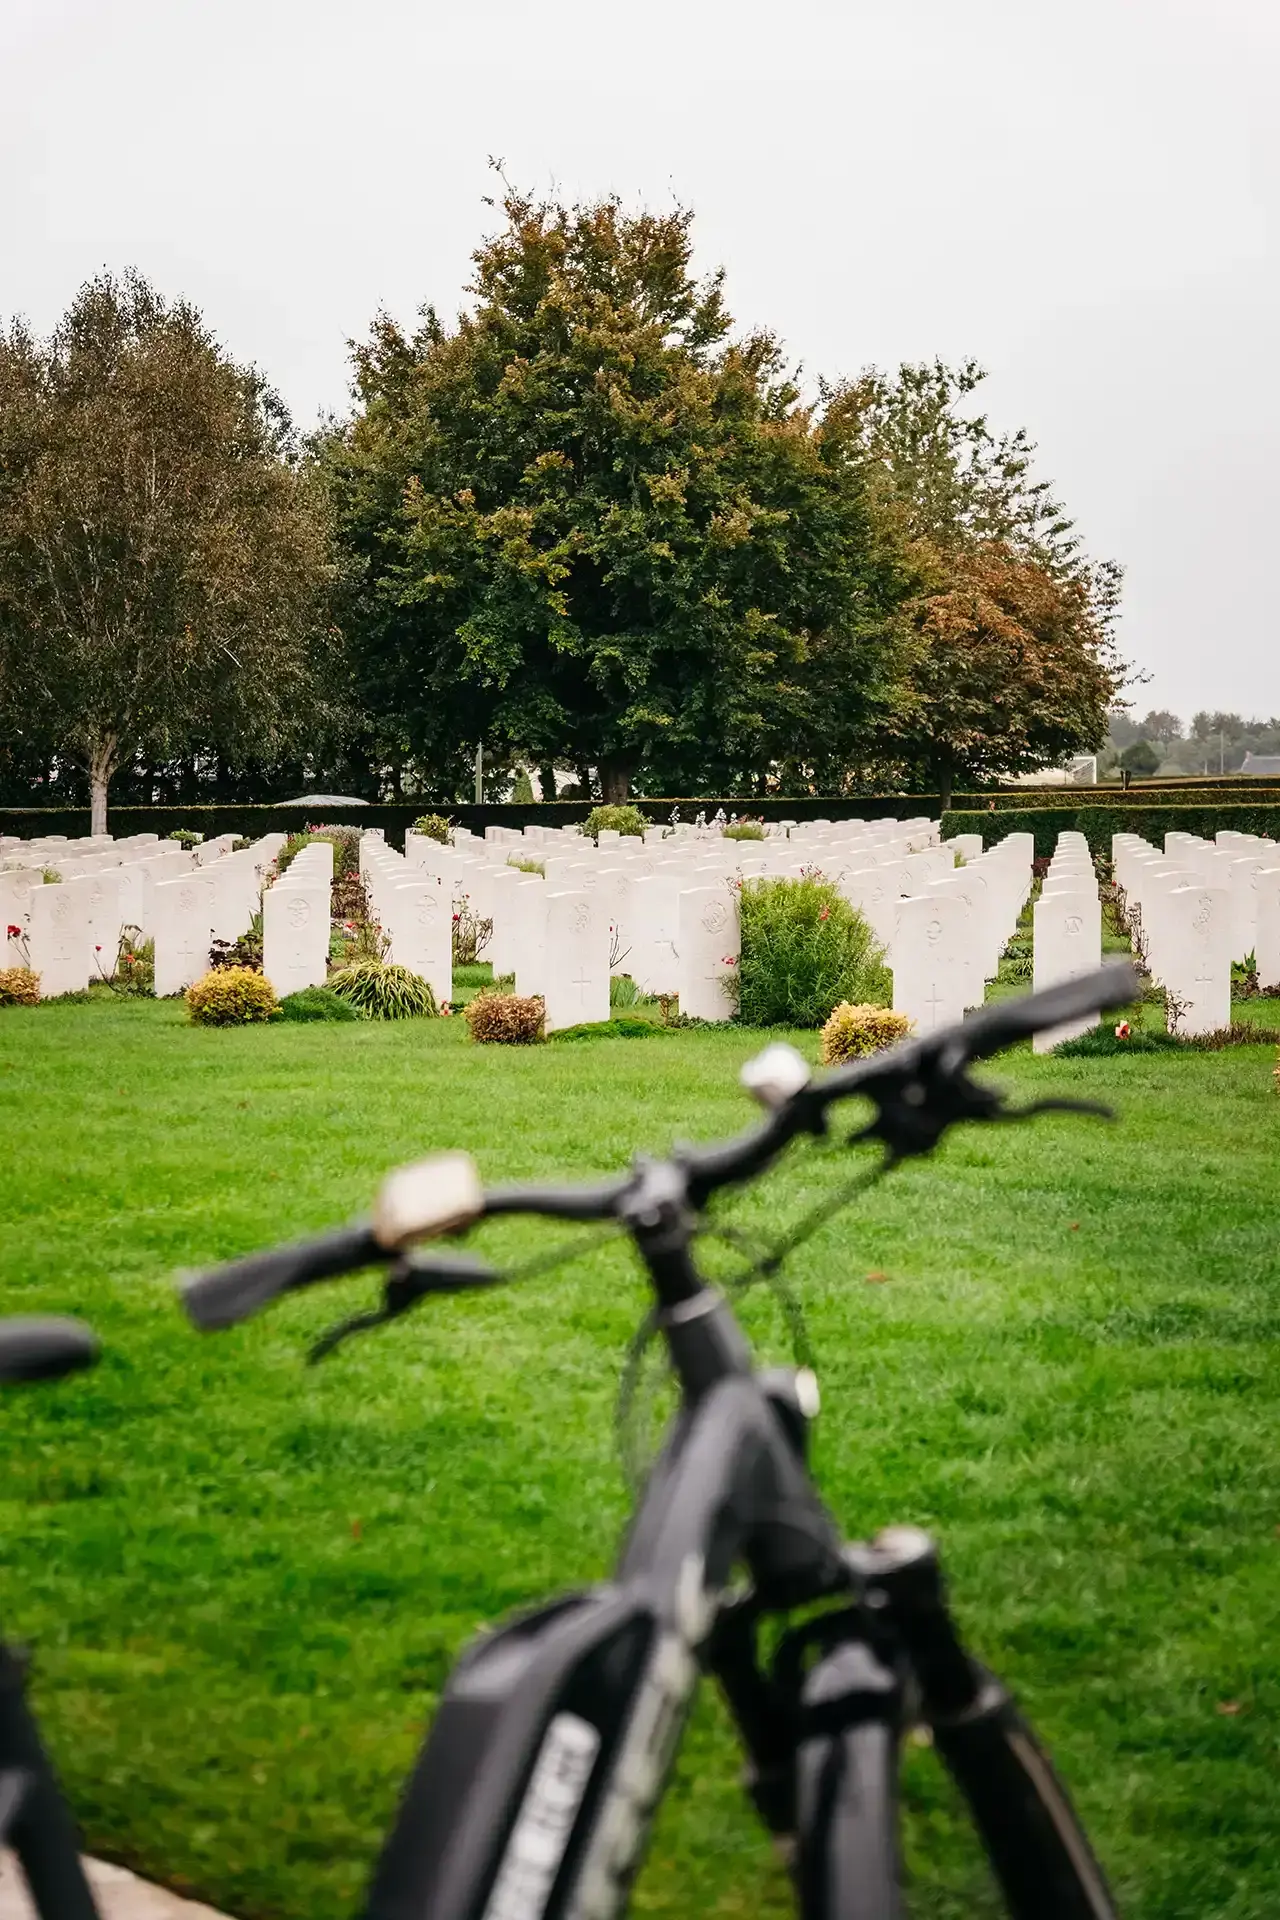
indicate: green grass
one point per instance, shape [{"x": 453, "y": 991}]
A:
[{"x": 245, "y": 1581}]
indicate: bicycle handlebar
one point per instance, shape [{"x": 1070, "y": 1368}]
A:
[
  {"x": 230, "y": 1293},
  {"x": 919, "y": 1089}
]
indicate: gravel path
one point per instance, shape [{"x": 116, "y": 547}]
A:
[{"x": 119, "y": 1893}]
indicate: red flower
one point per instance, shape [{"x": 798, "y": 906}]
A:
[
  {"x": 825, "y": 914},
  {"x": 98, "y": 948},
  {"x": 1123, "y": 1030},
  {"x": 14, "y": 933}
]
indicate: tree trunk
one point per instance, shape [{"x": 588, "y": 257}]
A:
[
  {"x": 547, "y": 781},
  {"x": 616, "y": 770},
  {"x": 102, "y": 764},
  {"x": 946, "y": 780}
]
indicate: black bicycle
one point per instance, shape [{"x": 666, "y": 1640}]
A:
[{"x": 556, "y": 1733}]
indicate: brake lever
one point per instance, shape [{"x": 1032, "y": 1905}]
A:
[
  {"x": 915, "y": 1118},
  {"x": 409, "y": 1281}
]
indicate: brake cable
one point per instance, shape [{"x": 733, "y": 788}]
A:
[{"x": 759, "y": 1266}]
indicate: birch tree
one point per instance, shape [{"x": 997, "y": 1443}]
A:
[{"x": 163, "y": 556}]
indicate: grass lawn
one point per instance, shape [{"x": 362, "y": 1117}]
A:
[{"x": 246, "y": 1580}]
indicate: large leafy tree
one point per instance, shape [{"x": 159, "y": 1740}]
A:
[
  {"x": 592, "y": 526},
  {"x": 1014, "y": 662},
  {"x": 163, "y": 559}
]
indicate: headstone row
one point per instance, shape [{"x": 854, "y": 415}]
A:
[{"x": 1202, "y": 904}]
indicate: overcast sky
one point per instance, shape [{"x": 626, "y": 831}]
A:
[{"x": 1085, "y": 197}]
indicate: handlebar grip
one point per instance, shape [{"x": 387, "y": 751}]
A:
[{"x": 228, "y": 1294}]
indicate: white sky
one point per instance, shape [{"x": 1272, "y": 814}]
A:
[{"x": 1085, "y": 197}]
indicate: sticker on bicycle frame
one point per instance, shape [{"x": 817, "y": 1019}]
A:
[{"x": 545, "y": 1821}]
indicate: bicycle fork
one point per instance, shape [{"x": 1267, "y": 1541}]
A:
[{"x": 823, "y": 1732}]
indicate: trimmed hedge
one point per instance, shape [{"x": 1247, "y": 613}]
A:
[
  {"x": 255, "y": 820},
  {"x": 394, "y": 819},
  {"x": 1098, "y": 822}
]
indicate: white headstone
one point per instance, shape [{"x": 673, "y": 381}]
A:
[
  {"x": 928, "y": 960},
  {"x": 57, "y": 941},
  {"x": 1067, "y": 942},
  {"x": 182, "y": 913},
  {"x": 709, "y": 942},
  {"x": 420, "y": 923},
  {"x": 295, "y": 932},
  {"x": 576, "y": 962}
]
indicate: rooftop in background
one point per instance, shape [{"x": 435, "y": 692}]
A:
[
  {"x": 322, "y": 800},
  {"x": 1261, "y": 763}
]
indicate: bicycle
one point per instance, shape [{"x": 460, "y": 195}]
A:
[
  {"x": 35, "y": 1820},
  {"x": 557, "y": 1732}
]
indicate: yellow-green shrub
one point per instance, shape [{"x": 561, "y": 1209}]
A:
[
  {"x": 854, "y": 1032},
  {"x": 19, "y": 987},
  {"x": 231, "y": 997},
  {"x": 508, "y": 1019}
]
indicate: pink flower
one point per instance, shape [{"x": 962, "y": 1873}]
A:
[
  {"x": 825, "y": 914},
  {"x": 1123, "y": 1030},
  {"x": 728, "y": 959}
]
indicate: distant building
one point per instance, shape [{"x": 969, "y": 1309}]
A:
[
  {"x": 1264, "y": 765},
  {"x": 1082, "y": 771},
  {"x": 322, "y": 800}
]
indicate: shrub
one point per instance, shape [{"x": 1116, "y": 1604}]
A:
[
  {"x": 241, "y": 843},
  {"x": 1105, "y": 1040},
  {"x": 347, "y": 898},
  {"x": 316, "y": 1003},
  {"x": 623, "y": 1027},
  {"x": 435, "y": 826},
  {"x": 854, "y": 1032},
  {"x": 623, "y": 991},
  {"x": 19, "y": 987},
  {"x": 135, "y": 964},
  {"x": 471, "y": 935},
  {"x": 51, "y": 876},
  {"x": 378, "y": 990},
  {"x": 505, "y": 1019},
  {"x": 231, "y": 997},
  {"x": 804, "y": 949},
  {"x": 742, "y": 830},
  {"x": 345, "y": 842},
  {"x": 523, "y": 795},
  {"x": 628, "y": 820},
  {"x": 244, "y": 951},
  {"x": 524, "y": 863},
  {"x": 187, "y": 837}
]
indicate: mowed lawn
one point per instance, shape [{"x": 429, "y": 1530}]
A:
[{"x": 245, "y": 1580}]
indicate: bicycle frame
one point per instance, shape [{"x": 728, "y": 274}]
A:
[{"x": 556, "y": 1734}]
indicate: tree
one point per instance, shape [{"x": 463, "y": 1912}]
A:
[
  {"x": 1162, "y": 726},
  {"x": 1014, "y": 663},
  {"x": 162, "y": 558},
  {"x": 1009, "y": 672},
  {"x": 1140, "y": 759},
  {"x": 591, "y": 525}
]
